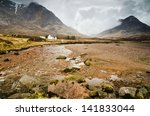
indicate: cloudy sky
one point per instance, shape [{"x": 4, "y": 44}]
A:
[{"x": 94, "y": 16}]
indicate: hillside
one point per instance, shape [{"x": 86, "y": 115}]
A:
[
  {"x": 129, "y": 26},
  {"x": 32, "y": 19}
]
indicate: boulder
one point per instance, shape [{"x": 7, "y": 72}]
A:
[
  {"x": 142, "y": 93},
  {"x": 27, "y": 84},
  {"x": 20, "y": 96},
  {"x": 68, "y": 90},
  {"x": 40, "y": 89},
  {"x": 95, "y": 83},
  {"x": 78, "y": 59},
  {"x": 139, "y": 95},
  {"x": 114, "y": 78},
  {"x": 5, "y": 94},
  {"x": 2, "y": 79},
  {"x": 19, "y": 87},
  {"x": 29, "y": 81},
  {"x": 127, "y": 92}
]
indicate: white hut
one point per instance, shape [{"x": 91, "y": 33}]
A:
[{"x": 50, "y": 37}]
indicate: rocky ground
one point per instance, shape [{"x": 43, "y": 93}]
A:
[{"x": 115, "y": 70}]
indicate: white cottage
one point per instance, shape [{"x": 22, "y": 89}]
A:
[{"x": 50, "y": 37}]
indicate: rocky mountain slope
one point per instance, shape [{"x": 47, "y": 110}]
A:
[
  {"x": 32, "y": 19},
  {"x": 129, "y": 26}
]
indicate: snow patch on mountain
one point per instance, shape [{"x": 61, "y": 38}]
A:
[{"x": 16, "y": 8}]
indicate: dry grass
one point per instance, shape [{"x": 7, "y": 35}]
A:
[
  {"x": 20, "y": 43},
  {"x": 17, "y": 43}
]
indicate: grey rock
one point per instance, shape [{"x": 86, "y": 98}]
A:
[
  {"x": 2, "y": 79},
  {"x": 127, "y": 92},
  {"x": 16, "y": 85},
  {"x": 25, "y": 84},
  {"x": 96, "y": 81},
  {"x": 114, "y": 78},
  {"x": 139, "y": 95},
  {"x": 29, "y": 81},
  {"x": 144, "y": 91},
  {"x": 19, "y": 87},
  {"x": 20, "y": 96}
]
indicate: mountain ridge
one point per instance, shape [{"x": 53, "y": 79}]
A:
[
  {"x": 32, "y": 19},
  {"x": 129, "y": 26}
]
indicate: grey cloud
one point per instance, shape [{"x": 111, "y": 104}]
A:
[
  {"x": 128, "y": 7},
  {"x": 145, "y": 5}
]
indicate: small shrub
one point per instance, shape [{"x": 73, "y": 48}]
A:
[
  {"x": 39, "y": 96},
  {"x": 16, "y": 53},
  {"x": 70, "y": 70},
  {"x": 3, "y": 52},
  {"x": 75, "y": 78},
  {"x": 88, "y": 62},
  {"x": 6, "y": 60},
  {"x": 53, "y": 82},
  {"x": 36, "y": 39},
  {"x": 107, "y": 87}
]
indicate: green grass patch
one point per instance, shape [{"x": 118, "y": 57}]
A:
[{"x": 76, "y": 78}]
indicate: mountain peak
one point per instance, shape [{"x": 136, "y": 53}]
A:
[
  {"x": 130, "y": 19},
  {"x": 33, "y": 19},
  {"x": 129, "y": 26},
  {"x": 33, "y": 4}
]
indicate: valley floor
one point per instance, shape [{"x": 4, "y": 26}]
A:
[{"x": 114, "y": 70}]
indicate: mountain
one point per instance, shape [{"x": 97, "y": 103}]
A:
[
  {"x": 32, "y": 19},
  {"x": 129, "y": 26}
]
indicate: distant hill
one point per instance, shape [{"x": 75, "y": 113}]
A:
[
  {"x": 129, "y": 26},
  {"x": 33, "y": 19}
]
